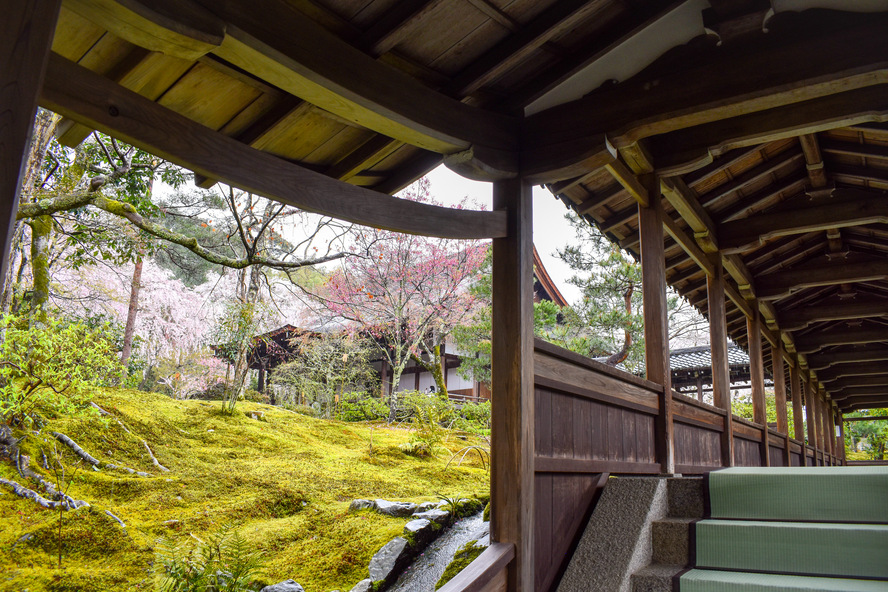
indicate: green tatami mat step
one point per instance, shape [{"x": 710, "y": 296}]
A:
[
  {"x": 857, "y": 550},
  {"x": 700, "y": 580},
  {"x": 832, "y": 494}
]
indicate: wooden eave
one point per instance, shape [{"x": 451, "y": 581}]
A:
[{"x": 376, "y": 93}]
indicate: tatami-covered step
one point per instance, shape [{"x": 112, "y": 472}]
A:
[
  {"x": 700, "y": 580},
  {"x": 816, "y": 494},
  {"x": 827, "y": 549}
]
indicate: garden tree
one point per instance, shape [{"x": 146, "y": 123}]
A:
[
  {"x": 81, "y": 198},
  {"x": 870, "y": 436},
  {"x": 611, "y": 303},
  {"x": 328, "y": 365},
  {"x": 555, "y": 324},
  {"x": 407, "y": 293}
]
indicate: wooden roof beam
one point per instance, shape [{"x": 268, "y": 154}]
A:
[
  {"x": 801, "y": 317},
  {"x": 790, "y": 69},
  {"x": 561, "y": 16},
  {"x": 846, "y": 207},
  {"x": 763, "y": 198},
  {"x": 854, "y": 395},
  {"x": 765, "y": 169},
  {"x": 813, "y": 160},
  {"x": 636, "y": 20},
  {"x": 841, "y": 371},
  {"x": 394, "y": 26},
  {"x": 74, "y": 91},
  {"x": 808, "y": 344},
  {"x": 779, "y": 284},
  {"x": 850, "y": 382},
  {"x": 718, "y": 165},
  {"x": 280, "y": 45},
  {"x": 866, "y": 403},
  {"x": 874, "y": 151},
  {"x": 823, "y": 360},
  {"x": 178, "y": 28},
  {"x": 676, "y": 151}
]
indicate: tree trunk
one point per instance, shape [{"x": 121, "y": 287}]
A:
[
  {"x": 131, "y": 313},
  {"x": 41, "y": 232},
  {"x": 435, "y": 367},
  {"x": 621, "y": 355},
  {"x": 32, "y": 181}
]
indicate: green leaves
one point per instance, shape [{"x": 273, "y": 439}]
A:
[{"x": 48, "y": 365}]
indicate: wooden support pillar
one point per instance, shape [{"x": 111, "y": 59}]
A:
[
  {"x": 261, "y": 385},
  {"x": 721, "y": 371},
  {"x": 830, "y": 427},
  {"x": 512, "y": 433},
  {"x": 656, "y": 334},
  {"x": 824, "y": 425},
  {"x": 24, "y": 51},
  {"x": 797, "y": 414},
  {"x": 841, "y": 420},
  {"x": 810, "y": 420},
  {"x": 757, "y": 379},
  {"x": 778, "y": 370}
]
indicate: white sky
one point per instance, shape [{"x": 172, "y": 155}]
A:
[{"x": 550, "y": 230}]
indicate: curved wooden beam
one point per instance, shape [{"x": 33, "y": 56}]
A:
[
  {"x": 284, "y": 47},
  {"x": 91, "y": 99},
  {"x": 179, "y": 29}
]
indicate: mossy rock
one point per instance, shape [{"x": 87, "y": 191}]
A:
[
  {"x": 486, "y": 515},
  {"x": 461, "y": 559}
]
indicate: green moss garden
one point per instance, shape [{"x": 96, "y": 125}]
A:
[{"x": 279, "y": 482}]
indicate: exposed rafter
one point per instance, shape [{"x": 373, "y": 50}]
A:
[
  {"x": 845, "y": 207},
  {"x": 96, "y": 101}
]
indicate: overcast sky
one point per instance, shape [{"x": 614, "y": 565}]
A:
[{"x": 550, "y": 230}]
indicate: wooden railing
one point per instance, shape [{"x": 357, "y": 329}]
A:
[
  {"x": 487, "y": 573},
  {"x": 592, "y": 421}
]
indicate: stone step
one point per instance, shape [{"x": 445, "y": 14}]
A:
[
  {"x": 656, "y": 577},
  {"x": 685, "y": 497},
  {"x": 671, "y": 540}
]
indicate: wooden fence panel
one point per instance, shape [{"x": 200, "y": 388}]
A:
[{"x": 590, "y": 421}]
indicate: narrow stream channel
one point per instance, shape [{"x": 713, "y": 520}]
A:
[{"x": 425, "y": 572}]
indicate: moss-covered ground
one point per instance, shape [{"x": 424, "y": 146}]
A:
[{"x": 285, "y": 482}]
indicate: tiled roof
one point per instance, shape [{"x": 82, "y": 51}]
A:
[{"x": 691, "y": 358}]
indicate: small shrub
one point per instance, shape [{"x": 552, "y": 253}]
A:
[
  {"x": 474, "y": 418},
  {"x": 428, "y": 413},
  {"x": 254, "y": 396},
  {"x": 49, "y": 365},
  {"x": 223, "y": 563},
  {"x": 361, "y": 407},
  {"x": 304, "y": 410},
  {"x": 417, "y": 449}
]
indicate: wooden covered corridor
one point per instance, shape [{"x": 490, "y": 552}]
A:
[{"x": 737, "y": 147}]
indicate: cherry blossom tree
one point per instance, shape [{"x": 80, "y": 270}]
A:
[{"x": 407, "y": 293}]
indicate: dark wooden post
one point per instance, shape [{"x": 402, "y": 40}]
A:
[
  {"x": 721, "y": 371},
  {"x": 824, "y": 431},
  {"x": 797, "y": 415},
  {"x": 810, "y": 418},
  {"x": 778, "y": 370},
  {"x": 24, "y": 52},
  {"x": 512, "y": 433},
  {"x": 841, "y": 420},
  {"x": 757, "y": 379},
  {"x": 656, "y": 334},
  {"x": 261, "y": 385}
]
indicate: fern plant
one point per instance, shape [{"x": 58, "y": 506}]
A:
[{"x": 223, "y": 563}]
